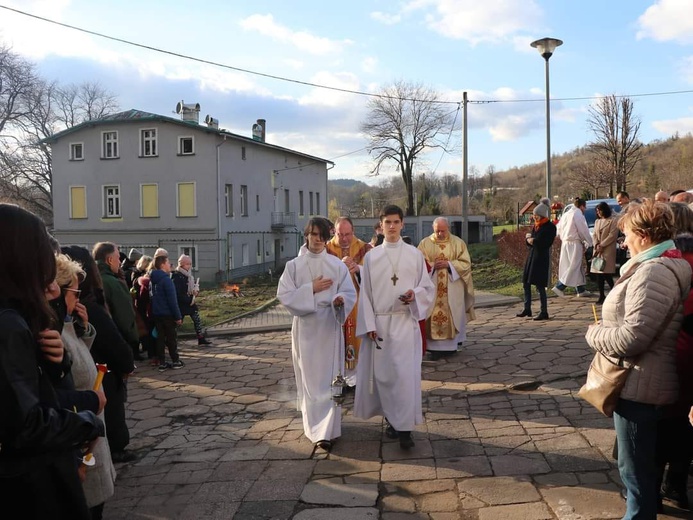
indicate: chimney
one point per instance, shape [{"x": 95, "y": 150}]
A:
[
  {"x": 259, "y": 130},
  {"x": 188, "y": 112},
  {"x": 212, "y": 122}
]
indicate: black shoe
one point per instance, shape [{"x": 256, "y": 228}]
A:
[
  {"x": 541, "y": 316},
  {"x": 524, "y": 314},
  {"x": 204, "y": 341},
  {"x": 600, "y": 300},
  {"x": 324, "y": 445},
  {"x": 678, "y": 498},
  {"x": 390, "y": 432},
  {"x": 123, "y": 456},
  {"x": 405, "y": 440},
  {"x": 434, "y": 355}
]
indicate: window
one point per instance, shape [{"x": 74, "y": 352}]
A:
[
  {"x": 259, "y": 252},
  {"x": 310, "y": 202},
  {"x": 286, "y": 200},
  {"x": 228, "y": 197},
  {"x": 191, "y": 251},
  {"x": 186, "y": 200},
  {"x": 257, "y": 202},
  {"x": 109, "y": 145},
  {"x": 148, "y": 143},
  {"x": 149, "y": 200},
  {"x": 76, "y": 151},
  {"x": 243, "y": 153},
  {"x": 78, "y": 202},
  {"x": 244, "y": 202},
  {"x": 317, "y": 203},
  {"x": 186, "y": 145},
  {"x": 111, "y": 201},
  {"x": 300, "y": 202},
  {"x": 245, "y": 254}
]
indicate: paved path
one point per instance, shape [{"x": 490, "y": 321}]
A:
[{"x": 221, "y": 439}]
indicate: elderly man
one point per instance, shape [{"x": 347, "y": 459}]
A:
[
  {"x": 682, "y": 196},
  {"x": 661, "y": 196},
  {"x": 350, "y": 250},
  {"x": 451, "y": 272}
]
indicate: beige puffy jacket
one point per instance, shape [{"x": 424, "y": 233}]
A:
[{"x": 633, "y": 315}]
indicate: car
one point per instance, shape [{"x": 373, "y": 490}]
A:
[{"x": 591, "y": 212}]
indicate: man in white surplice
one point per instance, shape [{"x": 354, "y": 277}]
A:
[
  {"x": 396, "y": 293},
  {"x": 575, "y": 239},
  {"x": 316, "y": 288}
]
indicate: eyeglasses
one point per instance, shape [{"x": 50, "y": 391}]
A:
[{"x": 77, "y": 291}]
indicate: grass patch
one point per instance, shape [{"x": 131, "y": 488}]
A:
[
  {"x": 217, "y": 305},
  {"x": 491, "y": 274},
  {"x": 505, "y": 227}
]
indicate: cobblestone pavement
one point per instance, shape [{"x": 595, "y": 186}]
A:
[{"x": 505, "y": 436}]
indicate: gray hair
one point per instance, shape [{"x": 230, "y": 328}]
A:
[{"x": 441, "y": 219}]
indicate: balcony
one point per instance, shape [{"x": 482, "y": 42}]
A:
[{"x": 283, "y": 219}]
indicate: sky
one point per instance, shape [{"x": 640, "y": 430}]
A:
[{"x": 639, "y": 48}]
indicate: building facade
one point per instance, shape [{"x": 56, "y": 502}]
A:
[{"x": 237, "y": 205}]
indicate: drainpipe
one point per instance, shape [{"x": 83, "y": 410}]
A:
[{"x": 220, "y": 259}]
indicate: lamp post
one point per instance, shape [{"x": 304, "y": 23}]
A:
[{"x": 546, "y": 46}]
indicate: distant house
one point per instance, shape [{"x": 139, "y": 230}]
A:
[{"x": 236, "y": 204}]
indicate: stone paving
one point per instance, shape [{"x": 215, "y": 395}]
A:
[{"x": 505, "y": 436}]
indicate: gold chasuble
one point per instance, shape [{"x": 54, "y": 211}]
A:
[
  {"x": 455, "y": 298},
  {"x": 357, "y": 250}
]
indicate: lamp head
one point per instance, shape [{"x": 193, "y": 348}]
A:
[{"x": 546, "y": 46}]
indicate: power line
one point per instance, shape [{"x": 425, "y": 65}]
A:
[{"x": 316, "y": 85}]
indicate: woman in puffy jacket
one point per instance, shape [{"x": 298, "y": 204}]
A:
[
  {"x": 641, "y": 318},
  {"x": 38, "y": 438}
]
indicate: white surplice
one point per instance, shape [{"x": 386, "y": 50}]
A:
[
  {"x": 390, "y": 377},
  {"x": 317, "y": 341},
  {"x": 574, "y": 233}
]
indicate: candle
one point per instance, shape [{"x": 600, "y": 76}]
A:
[
  {"x": 102, "y": 369},
  {"x": 594, "y": 311}
]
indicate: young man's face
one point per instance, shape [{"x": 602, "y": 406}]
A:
[
  {"x": 315, "y": 242},
  {"x": 392, "y": 227}
]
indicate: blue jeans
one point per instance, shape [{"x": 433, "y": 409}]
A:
[
  {"x": 636, "y": 431},
  {"x": 560, "y": 285}
]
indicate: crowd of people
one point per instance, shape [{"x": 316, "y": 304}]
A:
[
  {"x": 364, "y": 316},
  {"x": 72, "y": 324}
]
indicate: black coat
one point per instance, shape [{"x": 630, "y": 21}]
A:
[
  {"x": 111, "y": 349},
  {"x": 38, "y": 470},
  {"x": 539, "y": 258},
  {"x": 185, "y": 304}
]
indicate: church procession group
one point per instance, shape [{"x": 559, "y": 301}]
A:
[{"x": 364, "y": 314}]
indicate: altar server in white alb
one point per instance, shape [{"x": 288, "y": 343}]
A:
[
  {"x": 396, "y": 293},
  {"x": 316, "y": 288}
]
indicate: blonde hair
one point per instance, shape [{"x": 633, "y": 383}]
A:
[
  {"x": 143, "y": 263},
  {"x": 67, "y": 271},
  {"x": 651, "y": 219}
]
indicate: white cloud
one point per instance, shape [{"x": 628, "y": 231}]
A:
[
  {"x": 668, "y": 127},
  {"x": 385, "y": 18},
  {"x": 667, "y": 20},
  {"x": 686, "y": 68},
  {"x": 331, "y": 98},
  {"x": 369, "y": 64},
  {"x": 304, "y": 41},
  {"x": 485, "y": 21}
]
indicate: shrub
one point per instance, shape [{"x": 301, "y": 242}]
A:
[{"x": 513, "y": 251}]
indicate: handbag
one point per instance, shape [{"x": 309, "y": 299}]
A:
[
  {"x": 605, "y": 380},
  {"x": 598, "y": 263}
]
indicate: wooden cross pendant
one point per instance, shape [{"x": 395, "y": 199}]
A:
[{"x": 394, "y": 279}]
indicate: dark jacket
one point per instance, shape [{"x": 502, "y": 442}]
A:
[
  {"x": 38, "y": 473},
  {"x": 111, "y": 349},
  {"x": 539, "y": 258},
  {"x": 180, "y": 282},
  {"x": 164, "y": 301},
  {"x": 119, "y": 302}
]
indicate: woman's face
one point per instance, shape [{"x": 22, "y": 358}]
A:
[
  {"x": 71, "y": 296},
  {"x": 635, "y": 242}
]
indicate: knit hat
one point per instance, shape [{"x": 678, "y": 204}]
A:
[
  {"x": 160, "y": 252},
  {"x": 134, "y": 255},
  {"x": 542, "y": 208}
]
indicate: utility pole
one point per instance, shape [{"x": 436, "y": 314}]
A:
[{"x": 465, "y": 201}]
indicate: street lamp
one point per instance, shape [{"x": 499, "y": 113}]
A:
[{"x": 546, "y": 46}]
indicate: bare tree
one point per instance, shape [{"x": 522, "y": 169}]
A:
[
  {"x": 405, "y": 121},
  {"x": 616, "y": 143},
  {"x": 590, "y": 175}
]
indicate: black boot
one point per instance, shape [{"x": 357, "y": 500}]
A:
[
  {"x": 201, "y": 340},
  {"x": 405, "y": 440},
  {"x": 524, "y": 314}
]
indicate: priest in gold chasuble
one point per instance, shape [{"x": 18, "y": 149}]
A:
[
  {"x": 351, "y": 250},
  {"x": 446, "y": 325}
]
